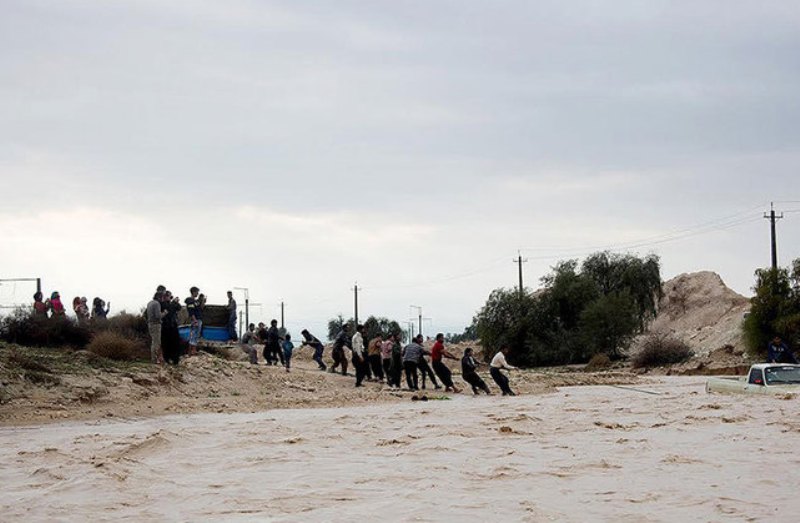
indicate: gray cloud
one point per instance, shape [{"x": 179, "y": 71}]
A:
[{"x": 466, "y": 130}]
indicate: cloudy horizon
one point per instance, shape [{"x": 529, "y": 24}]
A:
[{"x": 412, "y": 147}]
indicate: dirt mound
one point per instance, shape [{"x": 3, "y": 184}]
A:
[{"x": 699, "y": 309}]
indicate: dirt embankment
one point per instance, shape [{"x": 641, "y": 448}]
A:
[
  {"x": 700, "y": 310},
  {"x": 40, "y": 385}
]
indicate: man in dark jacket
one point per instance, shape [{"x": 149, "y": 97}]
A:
[
  {"x": 469, "y": 373},
  {"x": 339, "y": 357},
  {"x": 312, "y": 341},
  {"x": 170, "y": 338},
  {"x": 778, "y": 352},
  {"x": 273, "y": 344},
  {"x": 413, "y": 353}
]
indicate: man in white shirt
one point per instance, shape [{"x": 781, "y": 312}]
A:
[
  {"x": 499, "y": 362},
  {"x": 359, "y": 360}
]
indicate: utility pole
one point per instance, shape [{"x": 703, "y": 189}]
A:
[
  {"x": 772, "y": 217},
  {"x": 241, "y": 313},
  {"x": 355, "y": 290},
  {"x": 282, "y": 315},
  {"x": 246, "y": 304},
  {"x": 519, "y": 261},
  {"x": 419, "y": 316},
  {"x": 429, "y": 320}
]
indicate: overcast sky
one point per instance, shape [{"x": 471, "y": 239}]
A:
[{"x": 297, "y": 147}]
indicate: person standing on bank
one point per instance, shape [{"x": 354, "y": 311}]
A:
[
  {"x": 438, "y": 352},
  {"x": 56, "y": 305},
  {"x": 99, "y": 309},
  {"x": 231, "y": 317},
  {"x": 396, "y": 365},
  {"x": 288, "y": 348},
  {"x": 194, "y": 308},
  {"x": 170, "y": 337},
  {"x": 39, "y": 306},
  {"x": 341, "y": 341},
  {"x": 374, "y": 357},
  {"x": 154, "y": 317},
  {"x": 412, "y": 354},
  {"x": 499, "y": 362},
  {"x": 273, "y": 346},
  {"x": 249, "y": 339},
  {"x": 386, "y": 357},
  {"x": 359, "y": 360}
]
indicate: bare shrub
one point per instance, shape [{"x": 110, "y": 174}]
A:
[
  {"x": 23, "y": 328},
  {"x": 115, "y": 346},
  {"x": 125, "y": 324},
  {"x": 661, "y": 349},
  {"x": 599, "y": 361}
]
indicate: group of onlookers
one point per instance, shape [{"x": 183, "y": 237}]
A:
[
  {"x": 162, "y": 323},
  {"x": 53, "y": 307},
  {"x": 277, "y": 344}
]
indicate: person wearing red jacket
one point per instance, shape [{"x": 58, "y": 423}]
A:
[{"x": 438, "y": 353}]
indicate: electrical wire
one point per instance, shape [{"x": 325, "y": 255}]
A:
[
  {"x": 718, "y": 224},
  {"x": 482, "y": 269},
  {"x": 701, "y": 228}
]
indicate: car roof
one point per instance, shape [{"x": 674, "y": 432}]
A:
[{"x": 766, "y": 365}]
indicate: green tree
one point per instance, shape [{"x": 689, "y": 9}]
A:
[
  {"x": 608, "y": 325},
  {"x": 335, "y": 325},
  {"x": 501, "y": 321},
  {"x": 775, "y": 309},
  {"x": 373, "y": 326},
  {"x": 379, "y": 326},
  {"x": 470, "y": 334},
  {"x": 579, "y": 312},
  {"x": 638, "y": 277}
]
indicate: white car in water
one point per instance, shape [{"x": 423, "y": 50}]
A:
[{"x": 763, "y": 378}]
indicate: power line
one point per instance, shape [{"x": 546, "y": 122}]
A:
[
  {"x": 709, "y": 225},
  {"x": 634, "y": 245},
  {"x": 715, "y": 225},
  {"x": 479, "y": 270},
  {"x": 649, "y": 244}
]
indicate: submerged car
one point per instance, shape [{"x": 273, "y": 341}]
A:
[{"x": 763, "y": 378}]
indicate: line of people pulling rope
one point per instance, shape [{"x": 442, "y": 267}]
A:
[{"x": 382, "y": 359}]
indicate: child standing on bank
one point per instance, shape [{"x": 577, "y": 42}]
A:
[{"x": 288, "y": 348}]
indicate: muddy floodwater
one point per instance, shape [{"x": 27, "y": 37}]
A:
[{"x": 594, "y": 453}]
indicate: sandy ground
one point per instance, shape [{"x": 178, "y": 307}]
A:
[
  {"x": 67, "y": 385},
  {"x": 593, "y": 453}
]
